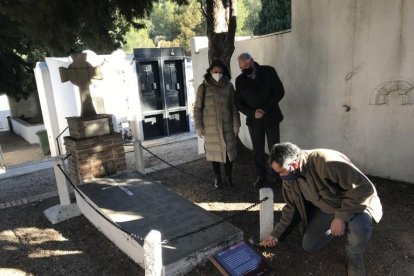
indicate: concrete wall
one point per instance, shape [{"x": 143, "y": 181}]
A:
[
  {"x": 60, "y": 100},
  {"x": 119, "y": 79},
  {"x": 26, "y": 131},
  {"x": 340, "y": 54}
]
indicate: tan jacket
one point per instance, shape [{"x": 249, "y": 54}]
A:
[
  {"x": 219, "y": 120},
  {"x": 331, "y": 183}
]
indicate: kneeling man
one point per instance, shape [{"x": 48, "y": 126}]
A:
[{"x": 331, "y": 195}]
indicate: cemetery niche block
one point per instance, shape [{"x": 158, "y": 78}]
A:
[
  {"x": 162, "y": 91},
  {"x": 95, "y": 149}
]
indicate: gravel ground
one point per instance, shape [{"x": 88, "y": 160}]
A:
[
  {"x": 30, "y": 245},
  {"x": 181, "y": 152},
  {"x": 43, "y": 181}
]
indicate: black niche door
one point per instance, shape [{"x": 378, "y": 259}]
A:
[
  {"x": 173, "y": 78},
  {"x": 150, "y": 89}
]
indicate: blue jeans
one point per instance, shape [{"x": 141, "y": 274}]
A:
[{"x": 358, "y": 232}]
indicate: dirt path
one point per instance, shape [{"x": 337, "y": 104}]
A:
[{"x": 30, "y": 245}]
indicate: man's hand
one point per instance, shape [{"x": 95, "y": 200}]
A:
[
  {"x": 259, "y": 113},
  {"x": 338, "y": 227},
  {"x": 236, "y": 131},
  {"x": 200, "y": 132},
  {"x": 269, "y": 241}
]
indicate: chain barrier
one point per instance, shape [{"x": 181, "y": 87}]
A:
[
  {"x": 173, "y": 166},
  {"x": 64, "y": 157},
  {"x": 204, "y": 228},
  {"x": 57, "y": 139},
  {"x": 175, "y": 238}
]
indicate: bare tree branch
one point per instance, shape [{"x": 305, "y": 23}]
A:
[{"x": 203, "y": 8}]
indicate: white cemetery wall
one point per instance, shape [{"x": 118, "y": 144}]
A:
[
  {"x": 118, "y": 80},
  {"x": 190, "y": 91},
  {"x": 4, "y": 112},
  {"x": 66, "y": 97},
  {"x": 332, "y": 63},
  {"x": 113, "y": 95},
  {"x": 46, "y": 96},
  {"x": 199, "y": 54}
]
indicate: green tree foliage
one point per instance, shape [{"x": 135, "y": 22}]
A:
[
  {"x": 173, "y": 25},
  {"x": 242, "y": 15},
  {"x": 33, "y": 29},
  {"x": 164, "y": 21},
  {"x": 253, "y": 8},
  {"x": 191, "y": 23},
  {"x": 275, "y": 16},
  {"x": 137, "y": 39}
]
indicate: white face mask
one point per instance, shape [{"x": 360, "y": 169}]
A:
[{"x": 217, "y": 76}]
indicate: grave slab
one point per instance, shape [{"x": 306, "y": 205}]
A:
[{"x": 139, "y": 205}]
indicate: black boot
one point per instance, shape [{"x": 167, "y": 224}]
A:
[
  {"x": 260, "y": 182},
  {"x": 217, "y": 182},
  {"x": 228, "y": 168},
  {"x": 217, "y": 173},
  {"x": 229, "y": 181}
]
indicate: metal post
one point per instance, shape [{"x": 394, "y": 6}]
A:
[
  {"x": 139, "y": 157},
  {"x": 153, "y": 254},
  {"x": 266, "y": 213}
]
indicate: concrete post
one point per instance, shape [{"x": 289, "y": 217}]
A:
[
  {"x": 65, "y": 210},
  {"x": 48, "y": 105},
  {"x": 266, "y": 212},
  {"x": 153, "y": 254},
  {"x": 139, "y": 157},
  {"x": 63, "y": 189}
]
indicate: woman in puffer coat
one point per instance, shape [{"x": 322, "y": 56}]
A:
[{"x": 217, "y": 119}]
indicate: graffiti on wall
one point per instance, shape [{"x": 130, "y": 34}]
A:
[{"x": 401, "y": 88}]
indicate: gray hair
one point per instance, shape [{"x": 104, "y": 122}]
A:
[
  {"x": 284, "y": 154},
  {"x": 245, "y": 56}
]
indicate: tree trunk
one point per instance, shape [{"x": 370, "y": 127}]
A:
[{"x": 221, "y": 28}]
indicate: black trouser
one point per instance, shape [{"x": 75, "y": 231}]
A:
[
  {"x": 228, "y": 166},
  {"x": 257, "y": 134}
]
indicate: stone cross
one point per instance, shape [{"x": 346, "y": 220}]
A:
[{"x": 81, "y": 73}]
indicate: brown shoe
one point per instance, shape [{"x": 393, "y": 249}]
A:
[{"x": 355, "y": 267}]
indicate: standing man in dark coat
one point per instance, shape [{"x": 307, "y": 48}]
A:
[{"x": 258, "y": 92}]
